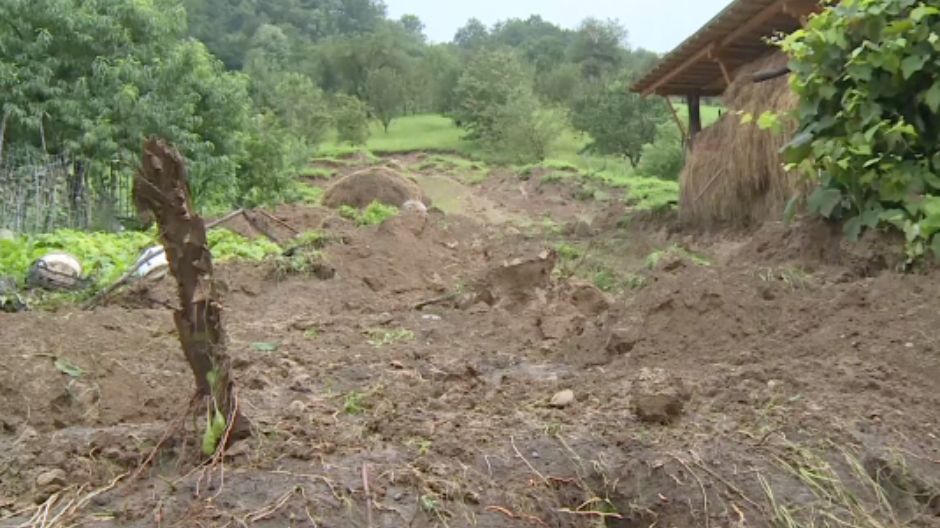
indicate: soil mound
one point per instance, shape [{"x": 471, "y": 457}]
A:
[{"x": 374, "y": 184}]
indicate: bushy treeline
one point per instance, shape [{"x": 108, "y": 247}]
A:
[{"x": 249, "y": 88}]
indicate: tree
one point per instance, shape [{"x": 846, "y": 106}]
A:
[
  {"x": 598, "y": 46},
  {"x": 413, "y": 26},
  {"x": 523, "y": 130},
  {"x": 301, "y": 107},
  {"x": 618, "y": 121},
  {"x": 94, "y": 78},
  {"x": 351, "y": 119},
  {"x": 385, "y": 93},
  {"x": 472, "y": 36},
  {"x": 489, "y": 81},
  {"x": 542, "y": 43},
  {"x": 560, "y": 85}
]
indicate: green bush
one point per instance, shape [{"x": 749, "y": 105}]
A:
[
  {"x": 522, "y": 130},
  {"x": 868, "y": 80},
  {"x": 489, "y": 83},
  {"x": 664, "y": 157},
  {"x": 351, "y": 120}
]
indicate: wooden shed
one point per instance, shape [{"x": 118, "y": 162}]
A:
[{"x": 733, "y": 172}]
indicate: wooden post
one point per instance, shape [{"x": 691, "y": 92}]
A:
[
  {"x": 162, "y": 189},
  {"x": 695, "y": 115}
]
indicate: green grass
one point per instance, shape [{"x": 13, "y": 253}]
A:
[
  {"x": 438, "y": 134},
  {"x": 425, "y": 133},
  {"x": 373, "y": 215}
]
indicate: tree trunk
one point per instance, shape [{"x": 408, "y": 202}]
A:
[
  {"x": 3, "y": 132},
  {"x": 162, "y": 190}
]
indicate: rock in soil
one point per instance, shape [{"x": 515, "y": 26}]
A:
[{"x": 562, "y": 399}]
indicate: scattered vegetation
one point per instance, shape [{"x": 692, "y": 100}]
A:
[
  {"x": 374, "y": 214},
  {"x": 381, "y": 337},
  {"x": 654, "y": 259},
  {"x": 107, "y": 256}
]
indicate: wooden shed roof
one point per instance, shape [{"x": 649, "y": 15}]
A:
[{"x": 705, "y": 63}]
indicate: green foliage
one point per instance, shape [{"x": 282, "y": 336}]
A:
[
  {"x": 95, "y": 78},
  {"x": 654, "y": 258},
  {"x": 353, "y": 404},
  {"x": 351, "y": 120},
  {"x": 651, "y": 194},
  {"x": 105, "y": 257},
  {"x": 665, "y": 156},
  {"x": 385, "y": 93},
  {"x": 380, "y": 338},
  {"x": 598, "y": 47},
  {"x": 489, "y": 83},
  {"x": 304, "y": 193},
  {"x": 869, "y": 116},
  {"x": 227, "y": 245},
  {"x": 374, "y": 214},
  {"x": 522, "y": 130},
  {"x": 568, "y": 252},
  {"x": 230, "y": 27},
  {"x": 619, "y": 122}
]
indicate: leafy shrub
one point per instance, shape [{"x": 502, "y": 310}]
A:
[
  {"x": 489, "y": 82},
  {"x": 868, "y": 80},
  {"x": 374, "y": 214},
  {"x": 522, "y": 130},
  {"x": 107, "y": 256},
  {"x": 664, "y": 157},
  {"x": 351, "y": 120}
]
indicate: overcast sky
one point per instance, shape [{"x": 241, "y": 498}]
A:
[{"x": 657, "y": 25}]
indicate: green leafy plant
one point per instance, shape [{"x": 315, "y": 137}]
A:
[
  {"x": 353, "y": 404},
  {"x": 379, "y": 338},
  {"x": 374, "y": 214},
  {"x": 869, "y": 116}
]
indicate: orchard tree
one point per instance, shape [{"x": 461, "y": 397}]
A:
[
  {"x": 385, "y": 93},
  {"x": 488, "y": 83},
  {"x": 351, "y": 119},
  {"x": 618, "y": 121},
  {"x": 598, "y": 47}
]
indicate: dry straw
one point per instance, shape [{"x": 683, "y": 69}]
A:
[{"x": 735, "y": 175}]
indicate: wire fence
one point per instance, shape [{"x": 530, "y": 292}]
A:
[{"x": 45, "y": 193}]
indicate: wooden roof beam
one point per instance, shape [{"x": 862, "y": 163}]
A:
[
  {"x": 701, "y": 54},
  {"x": 758, "y": 20}
]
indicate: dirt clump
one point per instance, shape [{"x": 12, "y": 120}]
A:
[{"x": 374, "y": 184}]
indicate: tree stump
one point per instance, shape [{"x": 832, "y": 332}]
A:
[{"x": 161, "y": 191}]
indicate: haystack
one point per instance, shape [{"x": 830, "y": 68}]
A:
[
  {"x": 374, "y": 184},
  {"x": 735, "y": 174}
]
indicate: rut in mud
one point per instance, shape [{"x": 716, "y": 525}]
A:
[{"x": 743, "y": 381}]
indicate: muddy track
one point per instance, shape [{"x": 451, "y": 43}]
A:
[{"x": 777, "y": 378}]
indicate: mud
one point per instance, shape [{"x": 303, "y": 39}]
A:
[{"x": 782, "y": 375}]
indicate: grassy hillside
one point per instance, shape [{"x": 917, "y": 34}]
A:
[{"x": 436, "y": 133}]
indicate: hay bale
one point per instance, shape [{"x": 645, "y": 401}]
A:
[
  {"x": 374, "y": 184},
  {"x": 735, "y": 174}
]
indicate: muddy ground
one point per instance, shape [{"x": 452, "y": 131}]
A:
[{"x": 772, "y": 378}]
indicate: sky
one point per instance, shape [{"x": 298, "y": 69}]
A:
[{"x": 657, "y": 25}]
